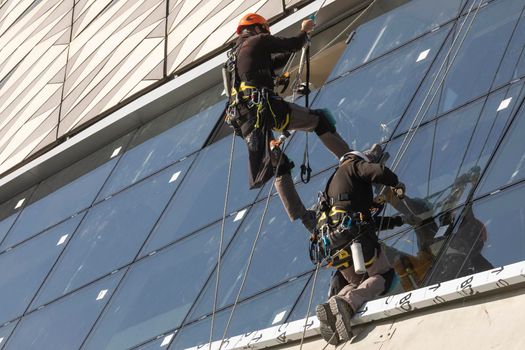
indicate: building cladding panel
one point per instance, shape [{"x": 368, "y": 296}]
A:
[
  {"x": 66, "y": 62},
  {"x": 119, "y": 250}
]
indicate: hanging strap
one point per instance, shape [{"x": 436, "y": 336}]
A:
[{"x": 306, "y": 171}]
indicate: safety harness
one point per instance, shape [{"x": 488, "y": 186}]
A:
[
  {"x": 253, "y": 97},
  {"x": 338, "y": 227}
]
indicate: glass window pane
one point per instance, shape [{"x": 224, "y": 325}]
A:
[
  {"x": 368, "y": 102},
  {"x": 111, "y": 234},
  {"x": 513, "y": 64},
  {"x": 394, "y": 28},
  {"x": 10, "y": 209},
  {"x": 321, "y": 291},
  {"x": 473, "y": 70},
  {"x": 508, "y": 164},
  {"x": 65, "y": 323},
  {"x": 28, "y": 265},
  {"x": 5, "y": 332},
  {"x": 200, "y": 200},
  {"x": 151, "y": 155},
  {"x": 158, "y": 291},
  {"x": 413, "y": 252},
  {"x": 490, "y": 235},
  {"x": 446, "y": 157},
  {"x": 281, "y": 243},
  {"x": 263, "y": 311},
  {"x": 65, "y": 193}
]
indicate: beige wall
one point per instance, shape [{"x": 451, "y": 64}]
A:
[
  {"x": 491, "y": 322},
  {"x": 65, "y": 62}
]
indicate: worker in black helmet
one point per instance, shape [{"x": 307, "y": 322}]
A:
[
  {"x": 347, "y": 237},
  {"x": 259, "y": 110}
]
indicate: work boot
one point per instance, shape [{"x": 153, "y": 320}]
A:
[
  {"x": 343, "y": 314},
  {"x": 327, "y": 321},
  {"x": 309, "y": 221},
  {"x": 374, "y": 154}
]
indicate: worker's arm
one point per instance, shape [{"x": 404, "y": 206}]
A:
[
  {"x": 275, "y": 44},
  {"x": 376, "y": 173},
  {"x": 279, "y": 60}
]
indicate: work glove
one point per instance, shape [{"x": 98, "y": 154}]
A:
[{"x": 399, "y": 190}]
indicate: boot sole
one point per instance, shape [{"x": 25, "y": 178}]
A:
[
  {"x": 327, "y": 332},
  {"x": 342, "y": 320}
]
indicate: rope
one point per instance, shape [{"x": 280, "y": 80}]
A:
[
  {"x": 250, "y": 258},
  {"x": 419, "y": 118},
  {"x": 310, "y": 304},
  {"x": 228, "y": 181}
]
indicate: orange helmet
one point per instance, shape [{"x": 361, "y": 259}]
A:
[{"x": 251, "y": 19}]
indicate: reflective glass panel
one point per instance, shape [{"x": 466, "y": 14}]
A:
[
  {"x": 446, "y": 157},
  {"x": 5, "y": 332},
  {"x": 162, "y": 150},
  {"x": 489, "y": 235},
  {"x": 263, "y": 311},
  {"x": 513, "y": 64},
  {"x": 65, "y": 193},
  {"x": 508, "y": 164},
  {"x": 413, "y": 252},
  {"x": 474, "y": 68},
  {"x": 281, "y": 243},
  {"x": 394, "y": 28},
  {"x": 320, "y": 296},
  {"x": 158, "y": 292},
  {"x": 111, "y": 234},
  {"x": 200, "y": 200},
  {"x": 368, "y": 103},
  {"x": 10, "y": 209},
  {"x": 64, "y": 324},
  {"x": 24, "y": 268}
]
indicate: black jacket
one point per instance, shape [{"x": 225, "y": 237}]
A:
[
  {"x": 351, "y": 185},
  {"x": 259, "y": 55}
]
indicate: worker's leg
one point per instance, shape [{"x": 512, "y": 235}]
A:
[
  {"x": 308, "y": 120},
  {"x": 359, "y": 291},
  {"x": 289, "y": 196}
]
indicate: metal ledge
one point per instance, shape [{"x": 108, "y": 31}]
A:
[{"x": 471, "y": 286}]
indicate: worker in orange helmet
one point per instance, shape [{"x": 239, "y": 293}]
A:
[{"x": 259, "y": 110}]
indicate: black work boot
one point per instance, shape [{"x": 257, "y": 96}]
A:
[
  {"x": 309, "y": 220},
  {"x": 327, "y": 321},
  {"x": 343, "y": 314}
]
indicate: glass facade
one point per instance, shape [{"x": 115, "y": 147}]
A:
[{"x": 119, "y": 250}]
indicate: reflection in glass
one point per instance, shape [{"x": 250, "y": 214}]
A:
[
  {"x": 368, "y": 102},
  {"x": 413, "y": 252},
  {"x": 489, "y": 234},
  {"x": 111, "y": 234},
  {"x": 265, "y": 310},
  {"x": 446, "y": 157},
  {"x": 394, "y": 28},
  {"x": 162, "y": 150},
  {"x": 200, "y": 200},
  {"x": 24, "y": 268},
  {"x": 65, "y": 193},
  {"x": 10, "y": 209},
  {"x": 158, "y": 291},
  {"x": 64, "y": 324}
]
